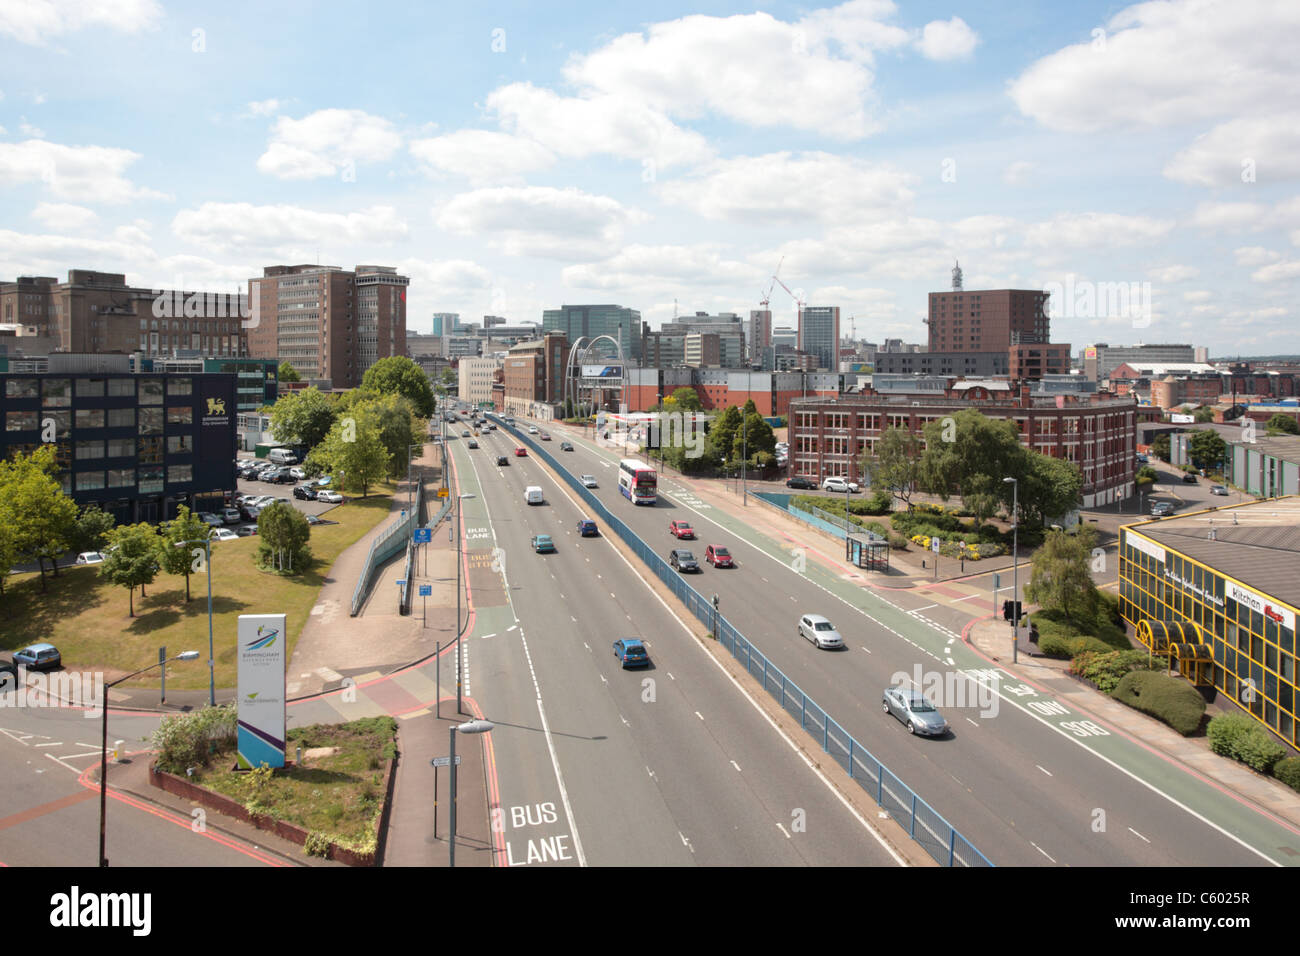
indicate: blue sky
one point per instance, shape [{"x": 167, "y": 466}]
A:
[{"x": 513, "y": 157}]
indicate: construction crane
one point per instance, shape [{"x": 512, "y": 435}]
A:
[
  {"x": 771, "y": 285},
  {"x": 798, "y": 301}
]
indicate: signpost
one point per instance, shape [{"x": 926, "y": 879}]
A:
[
  {"x": 425, "y": 591},
  {"x": 439, "y": 762},
  {"x": 423, "y": 536},
  {"x": 934, "y": 546}
]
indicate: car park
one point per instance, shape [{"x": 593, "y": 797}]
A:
[
  {"x": 566, "y": 446},
  {"x": 543, "y": 544},
  {"x": 503, "y": 460},
  {"x": 718, "y": 556},
  {"x": 90, "y": 557},
  {"x": 820, "y": 631},
  {"x": 521, "y": 452},
  {"x": 208, "y": 518},
  {"x": 39, "y": 657},
  {"x": 839, "y": 484},
  {"x": 329, "y": 497},
  {"x": 587, "y": 528},
  {"x": 682, "y": 560},
  {"x": 798, "y": 481},
  {"x": 1218, "y": 490},
  {"x": 631, "y": 652},
  {"x": 230, "y": 515},
  {"x": 589, "y": 481},
  {"x": 681, "y": 529},
  {"x": 915, "y": 710},
  {"x": 304, "y": 493},
  {"x": 297, "y": 474}
]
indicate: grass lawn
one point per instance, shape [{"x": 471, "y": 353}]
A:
[{"x": 87, "y": 618}]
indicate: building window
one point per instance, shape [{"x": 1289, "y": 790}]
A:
[
  {"x": 150, "y": 421},
  {"x": 56, "y": 393},
  {"x": 179, "y": 445},
  {"x": 90, "y": 449},
  {"x": 20, "y": 421},
  {"x": 121, "y": 477},
  {"x": 90, "y": 418},
  {"x": 90, "y": 388},
  {"x": 121, "y": 387},
  {"x": 179, "y": 474},
  {"x": 61, "y": 418},
  {"x": 149, "y": 451},
  {"x": 90, "y": 480},
  {"x": 151, "y": 391},
  {"x": 121, "y": 418},
  {"x": 182, "y": 415},
  {"x": 21, "y": 388},
  {"x": 121, "y": 447},
  {"x": 180, "y": 386}
]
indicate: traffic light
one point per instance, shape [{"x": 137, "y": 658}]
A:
[{"x": 1010, "y": 610}]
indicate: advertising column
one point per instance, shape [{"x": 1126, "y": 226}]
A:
[{"x": 261, "y": 639}]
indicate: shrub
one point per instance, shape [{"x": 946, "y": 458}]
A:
[
  {"x": 1105, "y": 669},
  {"x": 1242, "y": 738},
  {"x": 1288, "y": 771},
  {"x": 1226, "y": 731},
  {"x": 316, "y": 844},
  {"x": 897, "y": 542},
  {"x": 188, "y": 740},
  {"x": 1060, "y": 644},
  {"x": 1170, "y": 699}
]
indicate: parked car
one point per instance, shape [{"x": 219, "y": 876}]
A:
[
  {"x": 521, "y": 452},
  {"x": 210, "y": 519},
  {"x": 718, "y": 556},
  {"x": 1218, "y": 490},
  {"x": 39, "y": 657},
  {"x": 565, "y": 445},
  {"x": 682, "y": 560},
  {"x": 230, "y": 515},
  {"x": 839, "y": 484},
  {"x": 543, "y": 544},
  {"x": 247, "y": 530},
  {"x": 502, "y": 460},
  {"x": 304, "y": 493},
  {"x": 90, "y": 557},
  {"x": 798, "y": 481},
  {"x": 223, "y": 534},
  {"x": 1189, "y": 478},
  {"x": 329, "y": 497},
  {"x": 915, "y": 710},
  {"x": 631, "y": 653},
  {"x": 297, "y": 474},
  {"x": 587, "y": 528},
  {"x": 681, "y": 529},
  {"x": 589, "y": 481},
  {"x": 315, "y": 519},
  {"x": 819, "y": 631}
]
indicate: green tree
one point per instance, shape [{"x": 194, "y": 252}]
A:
[
  {"x": 398, "y": 427},
  {"x": 1204, "y": 414},
  {"x": 353, "y": 450},
  {"x": 302, "y": 418},
  {"x": 8, "y": 542},
  {"x": 1284, "y": 424},
  {"x": 131, "y": 561},
  {"x": 43, "y": 517},
  {"x": 282, "y": 536},
  {"x": 969, "y": 454},
  {"x": 1206, "y": 448},
  {"x": 1061, "y": 576},
  {"x": 687, "y": 400},
  {"x": 1050, "y": 488},
  {"x": 90, "y": 530},
  {"x": 1160, "y": 446},
  {"x": 178, "y": 552},
  {"x": 398, "y": 375},
  {"x": 754, "y": 437},
  {"x": 723, "y": 431},
  {"x": 1146, "y": 477},
  {"x": 895, "y": 467},
  {"x": 288, "y": 373}
]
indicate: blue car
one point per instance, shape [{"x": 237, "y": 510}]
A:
[
  {"x": 587, "y": 528},
  {"x": 39, "y": 657},
  {"x": 543, "y": 544},
  {"x": 631, "y": 653}
]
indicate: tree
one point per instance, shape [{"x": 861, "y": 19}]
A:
[
  {"x": 1049, "y": 488},
  {"x": 723, "y": 431},
  {"x": 1204, "y": 414},
  {"x": 303, "y": 418},
  {"x": 282, "y": 536},
  {"x": 687, "y": 400},
  {"x": 288, "y": 373},
  {"x": 398, "y": 375},
  {"x": 1061, "y": 579},
  {"x": 354, "y": 450},
  {"x": 1160, "y": 446},
  {"x": 895, "y": 467},
  {"x": 398, "y": 427},
  {"x": 91, "y": 528},
  {"x": 177, "y": 554},
  {"x": 1283, "y": 423},
  {"x": 42, "y": 516},
  {"x": 1146, "y": 477},
  {"x": 132, "y": 560},
  {"x": 1206, "y": 448},
  {"x": 754, "y": 436},
  {"x": 969, "y": 454},
  {"x": 8, "y": 543}
]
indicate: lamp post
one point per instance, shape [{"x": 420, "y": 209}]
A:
[
  {"x": 469, "y": 727},
  {"x": 103, "y": 753},
  {"x": 1015, "y": 564},
  {"x": 410, "y": 504},
  {"x": 460, "y": 628},
  {"x": 212, "y": 674}
]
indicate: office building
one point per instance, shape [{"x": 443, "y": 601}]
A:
[
  {"x": 1101, "y": 359},
  {"x": 589, "y": 321},
  {"x": 819, "y": 335},
  {"x": 474, "y": 378},
  {"x": 444, "y": 322},
  {"x": 990, "y": 320}
]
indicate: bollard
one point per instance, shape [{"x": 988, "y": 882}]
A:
[
  {"x": 299, "y": 759},
  {"x": 117, "y": 750}
]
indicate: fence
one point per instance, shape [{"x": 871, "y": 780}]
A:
[
  {"x": 925, "y": 825},
  {"x": 388, "y": 543}
]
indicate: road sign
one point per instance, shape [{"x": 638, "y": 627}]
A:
[
  {"x": 934, "y": 545},
  {"x": 997, "y": 581},
  {"x": 442, "y": 492},
  {"x": 401, "y": 582},
  {"x": 444, "y": 761},
  {"x": 423, "y": 535},
  {"x": 426, "y": 590}
]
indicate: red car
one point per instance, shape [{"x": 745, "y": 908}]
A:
[
  {"x": 718, "y": 556},
  {"x": 680, "y": 529},
  {"x": 521, "y": 452}
]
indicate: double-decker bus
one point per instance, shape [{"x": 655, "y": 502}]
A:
[{"x": 636, "y": 480}]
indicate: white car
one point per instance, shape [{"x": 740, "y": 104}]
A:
[
  {"x": 839, "y": 484},
  {"x": 223, "y": 534},
  {"x": 532, "y": 429},
  {"x": 90, "y": 557},
  {"x": 297, "y": 473},
  {"x": 329, "y": 497},
  {"x": 820, "y": 631},
  {"x": 589, "y": 481}
]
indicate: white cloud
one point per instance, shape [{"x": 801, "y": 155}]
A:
[
  {"x": 1017, "y": 173},
  {"x": 63, "y": 216},
  {"x": 482, "y": 156},
  {"x": 53, "y": 255},
  {"x": 446, "y": 277},
  {"x": 1174, "y": 274},
  {"x": 1167, "y": 64},
  {"x": 236, "y": 225},
  {"x": 325, "y": 142},
  {"x": 781, "y": 187},
  {"x": 1096, "y": 230},
  {"x": 947, "y": 40},
  {"x": 27, "y": 129},
  {"x": 579, "y": 127},
  {"x": 1259, "y": 148},
  {"x": 88, "y": 173},
  {"x": 264, "y": 107},
  {"x": 1198, "y": 295},
  {"x": 658, "y": 268},
  {"x": 1229, "y": 215},
  {"x": 1251, "y": 256},
  {"x": 1278, "y": 271},
  {"x": 539, "y": 220},
  {"x": 34, "y": 21}
]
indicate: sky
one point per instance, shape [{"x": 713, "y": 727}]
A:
[{"x": 1142, "y": 162}]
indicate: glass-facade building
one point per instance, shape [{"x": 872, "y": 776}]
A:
[
  {"x": 819, "y": 335},
  {"x": 1216, "y": 592},
  {"x": 590, "y": 321}
]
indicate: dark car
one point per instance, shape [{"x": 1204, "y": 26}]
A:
[
  {"x": 39, "y": 657},
  {"x": 565, "y": 445},
  {"x": 798, "y": 481},
  {"x": 1189, "y": 478},
  {"x": 587, "y": 528},
  {"x": 502, "y": 460},
  {"x": 682, "y": 560},
  {"x": 631, "y": 652},
  {"x": 304, "y": 493}
]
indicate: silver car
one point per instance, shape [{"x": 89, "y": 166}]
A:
[
  {"x": 821, "y": 632},
  {"x": 915, "y": 710}
]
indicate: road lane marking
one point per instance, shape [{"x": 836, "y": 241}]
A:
[
  {"x": 1138, "y": 835},
  {"x": 782, "y": 828},
  {"x": 737, "y": 766},
  {"x": 1040, "y": 850},
  {"x": 1040, "y": 767}
]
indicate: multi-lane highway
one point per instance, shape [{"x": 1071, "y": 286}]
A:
[
  {"x": 595, "y": 765},
  {"x": 1035, "y": 783}
]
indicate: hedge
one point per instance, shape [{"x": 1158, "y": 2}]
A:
[
  {"x": 1064, "y": 645},
  {"x": 1107, "y": 668},
  {"x": 1243, "y": 738},
  {"x": 1170, "y": 699},
  {"x": 1288, "y": 771}
]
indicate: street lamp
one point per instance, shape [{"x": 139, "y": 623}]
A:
[
  {"x": 1015, "y": 563},
  {"x": 103, "y": 753},
  {"x": 469, "y": 727},
  {"x": 212, "y": 673},
  {"x": 410, "y": 505}
]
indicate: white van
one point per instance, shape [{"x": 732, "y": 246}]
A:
[
  {"x": 533, "y": 495},
  {"x": 282, "y": 456}
]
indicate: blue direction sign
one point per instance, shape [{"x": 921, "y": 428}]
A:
[
  {"x": 423, "y": 535},
  {"x": 426, "y": 590}
]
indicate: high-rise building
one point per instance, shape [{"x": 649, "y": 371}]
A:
[
  {"x": 819, "y": 334},
  {"x": 444, "y": 322},
  {"x": 990, "y": 320},
  {"x": 475, "y": 378},
  {"x": 1101, "y": 359},
  {"x": 329, "y": 324},
  {"x": 760, "y": 321},
  {"x": 590, "y": 321}
]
